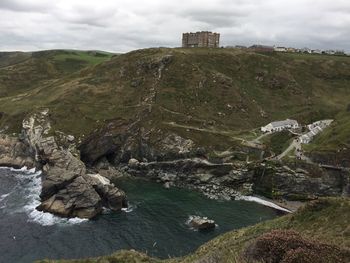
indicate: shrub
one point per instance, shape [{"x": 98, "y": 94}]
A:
[{"x": 285, "y": 246}]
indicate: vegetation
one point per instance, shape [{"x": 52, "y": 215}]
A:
[
  {"x": 288, "y": 246},
  {"x": 212, "y": 96},
  {"x": 215, "y": 97},
  {"x": 323, "y": 223},
  {"x": 335, "y": 137},
  {"x": 278, "y": 142}
]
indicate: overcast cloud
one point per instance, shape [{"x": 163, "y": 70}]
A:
[{"x": 124, "y": 25}]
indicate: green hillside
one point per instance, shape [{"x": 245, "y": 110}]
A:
[{"x": 212, "y": 96}]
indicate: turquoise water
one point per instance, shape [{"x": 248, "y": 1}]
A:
[{"x": 155, "y": 222}]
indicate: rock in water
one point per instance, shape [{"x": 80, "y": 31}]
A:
[
  {"x": 133, "y": 163},
  {"x": 201, "y": 223},
  {"x": 66, "y": 188}
]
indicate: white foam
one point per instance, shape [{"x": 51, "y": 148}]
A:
[
  {"x": 2, "y": 197},
  {"x": 263, "y": 202},
  {"x": 128, "y": 209},
  {"x": 32, "y": 184}
]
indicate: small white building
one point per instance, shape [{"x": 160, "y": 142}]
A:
[
  {"x": 277, "y": 126},
  {"x": 314, "y": 129},
  {"x": 280, "y": 49},
  {"x": 322, "y": 124}
]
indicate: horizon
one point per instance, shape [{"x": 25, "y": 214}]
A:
[
  {"x": 116, "y": 52},
  {"x": 120, "y": 27}
]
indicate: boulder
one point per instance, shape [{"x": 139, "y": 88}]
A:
[
  {"x": 133, "y": 163},
  {"x": 78, "y": 199},
  {"x": 201, "y": 223},
  {"x": 112, "y": 197},
  {"x": 15, "y": 153}
]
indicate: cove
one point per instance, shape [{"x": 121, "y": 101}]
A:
[{"x": 154, "y": 223}]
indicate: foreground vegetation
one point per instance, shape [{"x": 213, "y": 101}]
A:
[{"x": 324, "y": 223}]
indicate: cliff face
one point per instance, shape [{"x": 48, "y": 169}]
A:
[
  {"x": 67, "y": 189},
  {"x": 187, "y": 116}
]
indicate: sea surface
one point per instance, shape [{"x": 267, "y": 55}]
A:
[{"x": 155, "y": 222}]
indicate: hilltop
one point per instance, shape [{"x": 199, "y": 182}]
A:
[{"x": 214, "y": 97}]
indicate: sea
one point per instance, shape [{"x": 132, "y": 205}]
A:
[{"x": 156, "y": 221}]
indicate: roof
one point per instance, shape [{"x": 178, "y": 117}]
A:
[
  {"x": 261, "y": 46},
  {"x": 284, "y": 123}
]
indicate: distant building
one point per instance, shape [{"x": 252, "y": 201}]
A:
[
  {"x": 329, "y": 52},
  {"x": 292, "y": 50},
  {"x": 261, "y": 48},
  {"x": 240, "y": 47},
  {"x": 280, "y": 49},
  {"x": 316, "y": 51},
  {"x": 277, "y": 126},
  {"x": 201, "y": 39},
  {"x": 305, "y": 50},
  {"x": 314, "y": 129},
  {"x": 340, "y": 52}
]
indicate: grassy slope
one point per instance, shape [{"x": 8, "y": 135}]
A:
[
  {"x": 221, "y": 91},
  {"x": 326, "y": 220},
  {"x": 337, "y": 136},
  {"x": 22, "y": 80},
  {"x": 278, "y": 142}
]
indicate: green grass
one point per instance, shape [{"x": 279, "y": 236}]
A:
[
  {"x": 336, "y": 136},
  {"x": 278, "y": 142},
  {"x": 88, "y": 57},
  {"x": 224, "y": 90},
  {"x": 326, "y": 220}
]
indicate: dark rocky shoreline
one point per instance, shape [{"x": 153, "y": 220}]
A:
[
  {"x": 77, "y": 180},
  {"x": 67, "y": 189}
]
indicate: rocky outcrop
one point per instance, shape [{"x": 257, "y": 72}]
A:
[
  {"x": 119, "y": 141},
  {"x": 66, "y": 188},
  {"x": 107, "y": 142},
  {"x": 230, "y": 180},
  {"x": 300, "y": 182},
  {"x": 339, "y": 158},
  {"x": 215, "y": 180},
  {"x": 77, "y": 199},
  {"x": 15, "y": 152},
  {"x": 201, "y": 223}
]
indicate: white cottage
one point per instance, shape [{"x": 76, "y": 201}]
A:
[
  {"x": 314, "y": 129},
  {"x": 277, "y": 126}
]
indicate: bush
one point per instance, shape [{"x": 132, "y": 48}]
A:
[{"x": 285, "y": 246}]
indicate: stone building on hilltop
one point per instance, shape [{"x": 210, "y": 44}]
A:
[{"x": 201, "y": 39}]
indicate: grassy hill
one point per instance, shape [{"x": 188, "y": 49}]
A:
[
  {"x": 211, "y": 96},
  {"x": 324, "y": 220}
]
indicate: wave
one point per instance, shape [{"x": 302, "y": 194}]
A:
[
  {"x": 128, "y": 209},
  {"x": 30, "y": 184},
  {"x": 263, "y": 202},
  {"x": 2, "y": 197}
]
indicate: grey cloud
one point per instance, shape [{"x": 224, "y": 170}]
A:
[
  {"x": 118, "y": 25},
  {"x": 24, "y": 6}
]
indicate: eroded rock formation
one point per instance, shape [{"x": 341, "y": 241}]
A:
[{"x": 67, "y": 189}]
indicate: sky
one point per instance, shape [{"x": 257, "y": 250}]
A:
[{"x": 124, "y": 25}]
